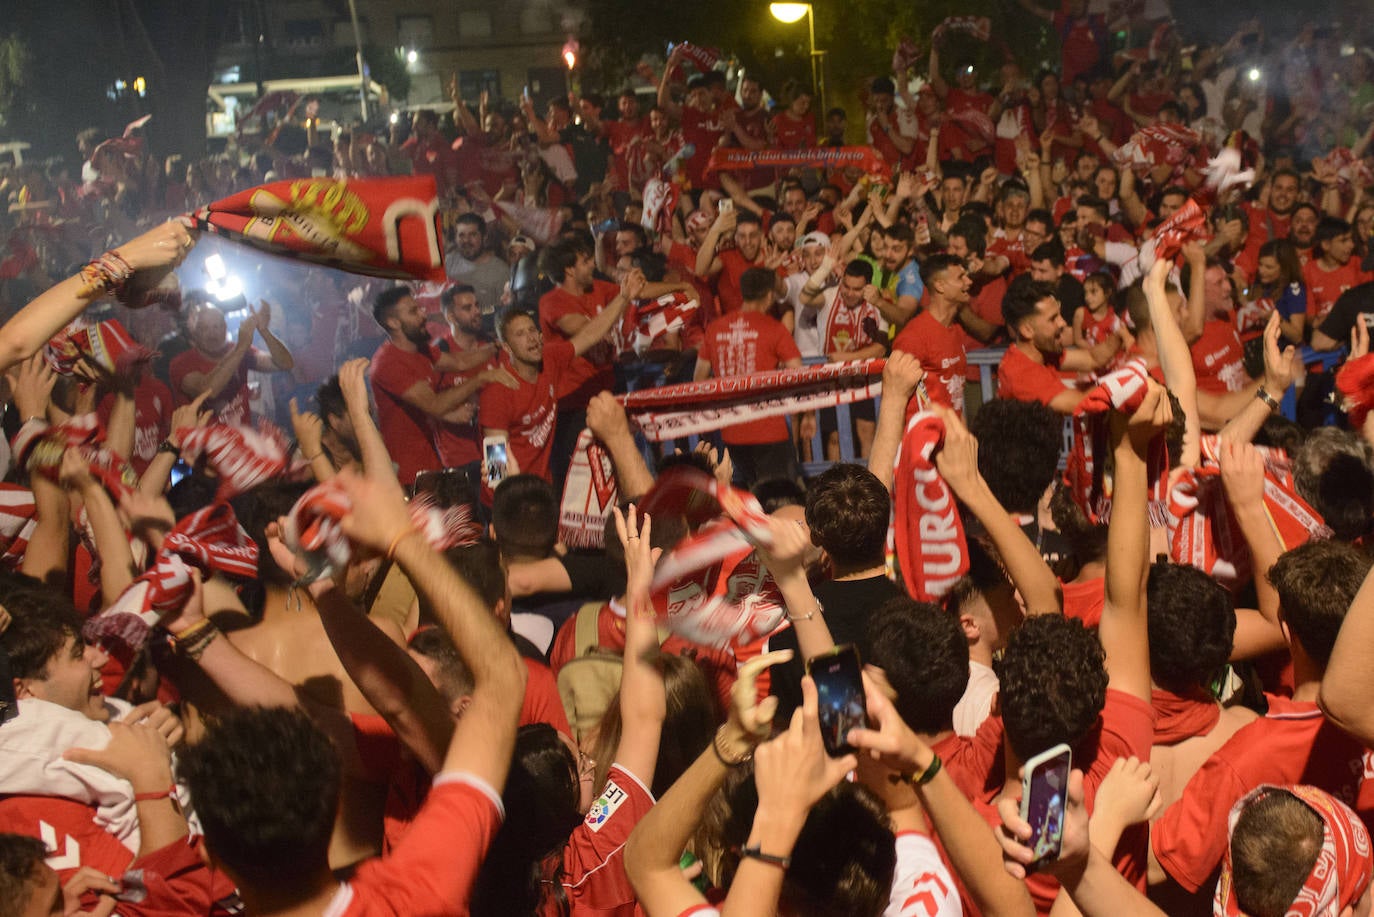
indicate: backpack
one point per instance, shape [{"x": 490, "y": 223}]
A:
[{"x": 590, "y": 680}]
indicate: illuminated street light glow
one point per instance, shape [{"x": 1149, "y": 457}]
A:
[{"x": 788, "y": 12}]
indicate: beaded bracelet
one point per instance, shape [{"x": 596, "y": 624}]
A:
[{"x": 107, "y": 274}]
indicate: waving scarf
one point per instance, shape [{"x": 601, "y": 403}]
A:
[
  {"x": 1156, "y": 145},
  {"x": 589, "y": 494},
  {"x": 385, "y": 227},
  {"x": 17, "y": 521},
  {"x": 925, "y": 535},
  {"x": 866, "y": 158},
  {"x": 105, "y": 344},
  {"x": 38, "y": 448},
  {"x": 242, "y": 457},
  {"x": 1339, "y": 877},
  {"x": 1355, "y": 382},
  {"x": 700, "y": 407}
]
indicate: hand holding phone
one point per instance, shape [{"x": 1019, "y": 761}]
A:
[
  {"x": 1044, "y": 798},
  {"x": 496, "y": 455},
  {"x": 842, "y": 705}
]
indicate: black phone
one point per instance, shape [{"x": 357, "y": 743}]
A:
[{"x": 843, "y": 706}]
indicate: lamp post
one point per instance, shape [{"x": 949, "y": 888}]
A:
[{"x": 791, "y": 12}]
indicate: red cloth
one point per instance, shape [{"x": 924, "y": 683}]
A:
[
  {"x": 594, "y": 878},
  {"x": 925, "y": 534},
  {"x": 1178, "y": 718},
  {"x": 1020, "y": 377},
  {"x": 152, "y": 419},
  {"x": 231, "y": 404},
  {"x": 1292, "y": 744},
  {"x": 433, "y": 867},
  {"x": 943, "y": 356},
  {"x": 558, "y": 303},
  {"x": 1084, "y": 601},
  {"x": 1325, "y": 287},
  {"x": 106, "y": 345},
  {"x": 1082, "y": 40},
  {"x": 703, "y": 131},
  {"x": 1341, "y": 873},
  {"x": 1186, "y": 224},
  {"x": 542, "y": 703},
  {"x": 408, "y": 431},
  {"x": 865, "y": 158},
  {"x": 848, "y": 329},
  {"x": 743, "y": 344},
  {"x": 1355, "y": 382},
  {"x": 17, "y": 522},
  {"x": 733, "y": 265},
  {"x": 242, "y": 457},
  {"x": 386, "y": 227},
  {"x": 528, "y": 413},
  {"x": 793, "y": 133},
  {"x": 1085, "y": 470}
]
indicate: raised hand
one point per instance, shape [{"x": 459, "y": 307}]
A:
[{"x": 161, "y": 246}]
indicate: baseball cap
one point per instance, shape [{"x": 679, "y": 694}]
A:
[{"x": 814, "y": 238}]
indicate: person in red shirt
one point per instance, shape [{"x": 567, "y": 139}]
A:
[
  {"x": 935, "y": 337},
  {"x": 1332, "y": 271},
  {"x": 632, "y": 128},
  {"x": 462, "y": 355},
  {"x": 152, "y": 415},
  {"x": 727, "y": 266},
  {"x": 741, "y": 344},
  {"x": 409, "y": 389},
  {"x": 794, "y": 127},
  {"x": 1273, "y": 221},
  {"x": 214, "y": 365},
  {"x": 1030, "y": 371},
  {"x": 1293, "y": 743},
  {"x": 891, "y": 131},
  {"x": 702, "y": 118},
  {"x": 430, "y": 153},
  {"x": 544, "y": 372}
]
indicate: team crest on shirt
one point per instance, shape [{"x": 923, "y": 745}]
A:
[{"x": 611, "y": 798}]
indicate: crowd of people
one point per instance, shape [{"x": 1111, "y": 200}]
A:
[{"x": 365, "y": 667}]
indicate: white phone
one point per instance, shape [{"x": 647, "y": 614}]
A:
[
  {"x": 496, "y": 452},
  {"x": 725, "y": 205},
  {"x": 1044, "y": 796}
]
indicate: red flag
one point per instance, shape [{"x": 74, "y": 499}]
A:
[{"x": 385, "y": 227}]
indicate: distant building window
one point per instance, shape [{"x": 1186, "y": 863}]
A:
[
  {"x": 343, "y": 31},
  {"x": 304, "y": 32},
  {"x": 472, "y": 83},
  {"x": 415, "y": 32},
  {"x": 536, "y": 19},
  {"x": 474, "y": 24}
]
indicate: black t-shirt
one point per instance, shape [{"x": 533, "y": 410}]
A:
[
  {"x": 847, "y": 606},
  {"x": 1070, "y": 293},
  {"x": 1344, "y": 311}
]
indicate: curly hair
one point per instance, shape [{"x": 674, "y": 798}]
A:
[
  {"x": 21, "y": 859},
  {"x": 1053, "y": 684},
  {"x": 847, "y": 508},
  {"x": 266, "y": 785},
  {"x": 1192, "y": 626},
  {"x": 1332, "y": 472},
  {"x": 1028, "y": 437},
  {"x": 1316, "y": 583},
  {"x": 924, "y": 654}
]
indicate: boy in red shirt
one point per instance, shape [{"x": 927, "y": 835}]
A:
[
  {"x": 1333, "y": 271},
  {"x": 741, "y": 344},
  {"x": 935, "y": 337}
]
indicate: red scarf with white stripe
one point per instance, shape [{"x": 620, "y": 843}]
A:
[
  {"x": 701, "y": 407},
  {"x": 925, "y": 537},
  {"x": 17, "y": 521},
  {"x": 589, "y": 495},
  {"x": 106, "y": 344}
]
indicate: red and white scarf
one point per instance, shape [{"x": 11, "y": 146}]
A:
[
  {"x": 925, "y": 535},
  {"x": 1339, "y": 877},
  {"x": 589, "y": 495},
  {"x": 242, "y": 457},
  {"x": 18, "y": 518},
  {"x": 1187, "y": 224},
  {"x": 700, "y": 407},
  {"x": 385, "y": 227},
  {"x": 1355, "y": 382},
  {"x": 979, "y": 27},
  {"x": 210, "y": 540},
  {"x": 1203, "y": 531},
  {"x": 105, "y": 344},
  {"x": 1085, "y": 472},
  {"x": 314, "y": 533},
  {"x": 866, "y": 158},
  {"x": 38, "y": 448},
  {"x": 648, "y": 321},
  {"x": 845, "y": 327},
  {"x": 1156, "y": 145}
]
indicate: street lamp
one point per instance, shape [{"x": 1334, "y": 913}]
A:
[{"x": 789, "y": 13}]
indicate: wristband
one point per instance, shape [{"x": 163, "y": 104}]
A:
[
  {"x": 715, "y": 747},
  {"x": 396, "y": 543},
  {"x": 926, "y": 775},
  {"x": 190, "y": 633},
  {"x": 160, "y": 794},
  {"x": 1268, "y": 399},
  {"x": 755, "y": 853},
  {"x": 169, "y": 447}
]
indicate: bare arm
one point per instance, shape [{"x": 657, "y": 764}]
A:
[
  {"x": 1349, "y": 680},
  {"x": 590, "y": 334},
  {"x": 708, "y": 265},
  {"x": 1175, "y": 360},
  {"x": 902, "y": 375},
  {"x": 607, "y": 420}
]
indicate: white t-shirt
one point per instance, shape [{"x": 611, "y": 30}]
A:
[
  {"x": 921, "y": 883},
  {"x": 976, "y": 703}
]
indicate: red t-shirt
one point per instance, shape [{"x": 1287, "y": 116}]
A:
[
  {"x": 791, "y": 133},
  {"x": 621, "y": 135},
  {"x": 152, "y": 419},
  {"x": 1291, "y": 744},
  {"x": 407, "y": 430},
  {"x": 1014, "y": 250},
  {"x": 458, "y": 444},
  {"x": 1325, "y": 287},
  {"x": 231, "y": 404},
  {"x": 985, "y": 299},
  {"x": 1020, "y": 377},
  {"x": 528, "y": 413},
  {"x": 1219, "y": 358},
  {"x": 542, "y": 703},
  {"x": 742, "y": 344},
  {"x": 728, "y": 295},
  {"x": 594, "y": 878},
  {"x": 943, "y": 357},
  {"x": 703, "y": 130},
  {"x": 1082, "y": 40},
  {"x": 1084, "y": 601},
  {"x": 557, "y": 303},
  {"x": 434, "y": 866}
]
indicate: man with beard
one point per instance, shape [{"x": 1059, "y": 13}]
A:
[
  {"x": 214, "y": 365},
  {"x": 727, "y": 266},
  {"x": 1302, "y": 230},
  {"x": 408, "y": 387},
  {"x": 1274, "y": 221},
  {"x": 935, "y": 337},
  {"x": 478, "y": 266}
]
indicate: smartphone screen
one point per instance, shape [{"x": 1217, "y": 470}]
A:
[
  {"x": 495, "y": 454},
  {"x": 1044, "y": 792},
  {"x": 840, "y": 689}
]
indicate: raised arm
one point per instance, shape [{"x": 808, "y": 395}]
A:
[
  {"x": 1348, "y": 683},
  {"x": 1175, "y": 360},
  {"x": 278, "y": 357},
  {"x": 213, "y": 382},
  {"x": 643, "y": 700},
  {"x": 708, "y": 265},
  {"x": 902, "y": 375},
  {"x": 590, "y": 334},
  {"x": 665, "y": 87},
  {"x": 607, "y": 420}
]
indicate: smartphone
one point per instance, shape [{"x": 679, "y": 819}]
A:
[
  {"x": 1044, "y": 795},
  {"x": 838, "y": 675},
  {"x": 496, "y": 451},
  {"x": 725, "y": 205}
]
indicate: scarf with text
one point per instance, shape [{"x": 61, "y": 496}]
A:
[
  {"x": 589, "y": 495},
  {"x": 866, "y": 158},
  {"x": 314, "y": 532},
  {"x": 848, "y": 329},
  {"x": 689, "y": 592},
  {"x": 648, "y": 321},
  {"x": 106, "y": 345},
  {"x": 701, "y": 407},
  {"x": 39, "y": 446},
  {"x": 384, "y": 227},
  {"x": 925, "y": 535},
  {"x": 1203, "y": 531},
  {"x": 1085, "y": 471},
  {"x": 1187, "y": 224},
  {"x": 1157, "y": 145},
  {"x": 1339, "y": 877}
]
